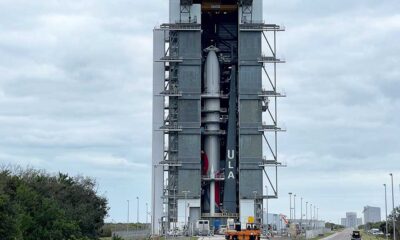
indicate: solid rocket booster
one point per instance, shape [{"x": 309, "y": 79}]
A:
[{"x": 212, "y": 105}]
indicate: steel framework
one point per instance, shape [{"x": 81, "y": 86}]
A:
[
  {"x": 171, "y": 128},
  {"x": 269, "y": 96},
  {"x": 266, "y": 131}
]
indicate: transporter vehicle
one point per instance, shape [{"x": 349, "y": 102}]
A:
[
  {"x": 252, "y": 231},
  {"x": 356, "y": 235},
  {"x": 232, "y": 227},
  {"x": 203, "y": 228}
]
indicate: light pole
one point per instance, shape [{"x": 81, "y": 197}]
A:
[
  {"x": 311, "y": 223},
  {"x": 127, "y": 220},
  {"x": 294, "y": 207},
  {"x": 147, "y": 213},
  {"x": 266, "y": 191},
  {"x": 137, "y": 211},
  {"x": 306, "y": 211},
  {"x": 317, "y": 216},
  {"x": 290, "y": 205},
  {"x": 394, "y": 212},
  {"x": 186, "y": 193},
  {"x": 314, "y": 216},
  {"x": 301, "y": 210},
  {"x": 386, "y": 230}
]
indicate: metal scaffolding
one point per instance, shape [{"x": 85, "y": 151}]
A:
[
  {"x": 269, "y": 96},
  {"x": 172, "y": 60},
  {"x": 238, "y": 35}
]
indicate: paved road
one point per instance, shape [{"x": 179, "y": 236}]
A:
[
  {"x": 343, "y": 235},
  {"x": 215, "y": 237}
]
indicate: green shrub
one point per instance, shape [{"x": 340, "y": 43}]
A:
[{"x": 36, "y": 205}]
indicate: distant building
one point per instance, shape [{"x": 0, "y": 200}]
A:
[
  {"x": 351, "y": 220},
  {"x": 343, "y": 222},
  {"x": 359, "y": 221},
  {"x": 372, "y": 214},
  {"x": 274, "y": 220}
]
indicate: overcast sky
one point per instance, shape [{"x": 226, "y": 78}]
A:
[{"x": 75, "y": 96}]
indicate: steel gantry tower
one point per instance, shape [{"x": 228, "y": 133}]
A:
[{"x": 215, "y": 118}]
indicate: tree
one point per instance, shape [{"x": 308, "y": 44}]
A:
[
  {"x": 37, "y": 205},
  {"x": 379, "y": 225},
  {"x": 333, "y": 226},
  {"x": 396, "y": 214}
]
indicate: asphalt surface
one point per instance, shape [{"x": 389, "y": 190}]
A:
[{"x": 343, "y": 235}]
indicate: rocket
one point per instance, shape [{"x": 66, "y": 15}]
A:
[{"x": 212, "y": 120}]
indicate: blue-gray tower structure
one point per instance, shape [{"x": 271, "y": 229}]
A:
[{"x": 215, "y": 119}]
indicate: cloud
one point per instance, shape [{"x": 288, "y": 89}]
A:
[
  {"x": 96, "y": 160},
  {"x": 341, "y": 112},
  {"x": 75, "y": 95},
  {"x": 75, "y": 91},
  {"x": 8, "y": 159}
]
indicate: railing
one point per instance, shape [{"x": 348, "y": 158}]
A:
[
  {"x": 171, "y": 93},
  {"x": 171, "y": 128},
  {"x": 271, "y": 93},
  {"x": 270, "y": 59},
  {"x": 260, "y": 26},
  {"x": 272, "y": 128},
  {"x": 220, "y": 215},
  {"x": 171, "y": 59},
  {"x": 181, "y": 26}
]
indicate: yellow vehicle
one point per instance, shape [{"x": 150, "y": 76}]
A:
[{"x": 252, "y": 232}]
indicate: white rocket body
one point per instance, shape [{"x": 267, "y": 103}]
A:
[{"x": 212, "y": 142}]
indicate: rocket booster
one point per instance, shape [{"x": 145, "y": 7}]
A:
[{"x": 212, "y": 119}]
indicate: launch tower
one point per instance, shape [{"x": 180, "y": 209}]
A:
[{"x": 215, "y": 120}]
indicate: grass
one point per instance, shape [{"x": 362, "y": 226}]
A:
[
  {"x": 182, "y": 238},
  {"x": 161, "y": 238},
  {"x": 325, "y": 235},
  {"x": 366, "y": 236}
]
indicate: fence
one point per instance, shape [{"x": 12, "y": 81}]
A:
[
  {"x": 314, "y": 233},
  {"x": 133, "y": 235}
]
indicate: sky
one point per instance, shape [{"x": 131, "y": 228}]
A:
[{"x": 75, "y": 97}]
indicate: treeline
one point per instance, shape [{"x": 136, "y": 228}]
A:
[
  {"x": 36, "y": 205},
  {"x": 333, "y": 226},
  {"x": 378, "y": 225}
]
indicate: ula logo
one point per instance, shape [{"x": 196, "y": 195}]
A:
[{"x": 231, "y": 158}]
